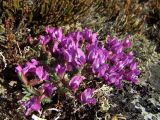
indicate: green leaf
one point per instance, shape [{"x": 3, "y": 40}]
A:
[
  {"x": 42, "y": 9},
  {"x": 46, "y": 100},
  {"x": 54, "y": 76},
  {"x": 28, "y": 94},
  {"x": 32, "y": 90},
  {"x": 29, "y": 90},
  {"x": 16, "y": 4},
  {"x": 30, "y": 17},
  {"x": 5, "y": 4},
  {"x": 9, "y": 13},
  {"x": 26, "y": 98}
]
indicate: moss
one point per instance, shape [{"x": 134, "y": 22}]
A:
[{"x": 145, "y": 53}]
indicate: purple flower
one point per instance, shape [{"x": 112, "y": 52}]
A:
[
  {"x": 57, "y": 34},
  {"x": 41, "y": 73},
  {"x": 48, "y": 88},
  {"x": 89, "y": 36},
  {"x": 44, "y": 39},
  {"x": 126, "y": 42},
  {"x": 113, "y": 69},
  {"x": 102, "y": 69},
  {"x": 86, "y": 96},
  {"x": 116, "y": 57},
  {"x": 92, "y": 53},
  {"x": 95, "y": 65},
  {"x": 49, "y": 30},
  {"x": 128, "y": 59},
  {"x": 32, "y": 105},
  {"x": 111, "y": 42},
  {"x": 102, "y": 55},
  {"x": 55, "y": 46},
  {"x": 121, "y": 64},
  {"x": 75, "y": 81},
  {"x": 132, "y": 76},
  {"x": 79, "y": 58},
  {"x": 18, "y": 69},
  {"x": 30, "y": 66},
  {"x": 34, "y": 62},
  {"x": 98, "y": 59},
  {"x": 114, "y": 79},
  {"x": 60, "y": 70},
  {"x": 33, "y": 69},
  {"x": 68, "y": 43},
  {"x": 117, "y": 48},
  {"x": 68, "y": 56},
  {"x": 131, "y": 53},
  {"x": 76, "y": 37},
  {"x": 133, "y": 66}
]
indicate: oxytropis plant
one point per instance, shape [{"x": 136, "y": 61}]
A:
[{"x": 78, "y": 63}]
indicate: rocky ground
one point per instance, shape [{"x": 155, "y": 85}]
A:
[{"x": 133, "y": 102}]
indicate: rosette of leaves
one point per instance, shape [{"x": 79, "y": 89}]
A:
[{"x": 36, "y": 13}]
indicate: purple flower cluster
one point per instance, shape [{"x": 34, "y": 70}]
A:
[
  {"x": 33, "y": 68},
  {"x": 86, "y": 96},
  {"x": 32, "y": 105},
  {"x": 67, "y": 48},
  {"x": 112, "y": 63},
  {"x": 109, "y": 61},
  {"x": 33, "y": 71},
  {"x": 79, "y": 55},
  {"x": 75, "y": 81}
]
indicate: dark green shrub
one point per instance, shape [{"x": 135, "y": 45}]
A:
[{"x": 36, "y": 13}]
